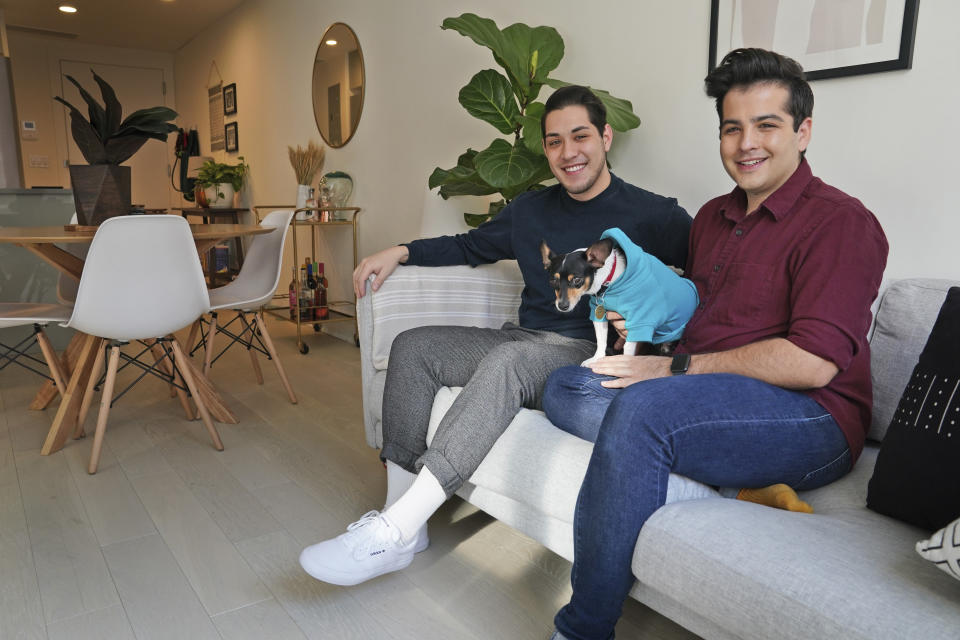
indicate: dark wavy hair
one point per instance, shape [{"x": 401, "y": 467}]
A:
[
  {"x": 746, "y": 67},
  {"x": 575, "y": 95}
]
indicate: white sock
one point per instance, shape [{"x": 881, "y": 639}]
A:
[
  {"x": 413, "y": 508},
  {"x": 398, "y": 481}
]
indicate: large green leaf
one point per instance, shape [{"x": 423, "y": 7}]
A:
[
  {"x": 98, "y": 116},
  {"x": 504, "y": 165},
  {"x": 620, "y": 113},
  {"x": 489, "y": 97},
  {"x": 541, "y": 174},
  {"x": 527, "y": 54},
  {"x": 538, "y": 50},
  {"x": 476, "y": 219},
  {"x": 114, "y": 112},
  {"x": 461, "y": 180},
  {"x": 531, "y": 133}
]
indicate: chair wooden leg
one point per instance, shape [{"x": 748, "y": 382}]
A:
[
  {"x": 208, "y": 345},
  {"x": 88, "y": 394},
  {"x": 253, "y": 352},
  {"x": 181, "y": 361},
  {"x": 160, "y": 357},
  {"x": 68, "y": 361},
  {"x": 53, "y": 362},
  {"x": 105, "y": 399},
  {"x": 268, "y": 343}
]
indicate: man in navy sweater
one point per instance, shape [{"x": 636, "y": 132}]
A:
[{"x": 500, "y": 370}]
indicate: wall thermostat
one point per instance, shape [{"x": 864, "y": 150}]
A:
[{"x": 28, "y": 130}]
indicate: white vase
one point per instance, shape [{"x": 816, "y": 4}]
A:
[
  {"x": 220, "y": 196},
  {"x": 303, "y": 192}
]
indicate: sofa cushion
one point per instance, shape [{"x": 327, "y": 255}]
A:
[
  {"x": 917, "y": 478},
  {"x": 943, "y": 549},
  {"x": 902, "y": 323},
  {"x": 757, "y": 572}
]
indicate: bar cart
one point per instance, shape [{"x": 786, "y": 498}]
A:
[{"x": 320, "y": 221}]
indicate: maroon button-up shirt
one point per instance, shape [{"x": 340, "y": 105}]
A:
[{"x": 806, "y": 266}]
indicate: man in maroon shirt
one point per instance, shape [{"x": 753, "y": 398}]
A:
[{"x": 771, "y": 381}]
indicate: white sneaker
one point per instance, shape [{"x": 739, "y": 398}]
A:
[
  {"x": 422, "y": 540},
  {"x": 371, "y": 547}
]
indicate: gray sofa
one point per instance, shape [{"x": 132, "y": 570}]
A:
[{"x": 721, "y": 568}]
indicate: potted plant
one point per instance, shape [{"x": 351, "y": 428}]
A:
[
  {"x": 101, "y": 189},
  {"x": 217, "y": 182},
  {"x": 508, "y": 102}
]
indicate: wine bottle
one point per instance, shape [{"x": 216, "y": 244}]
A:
[{"x": 293, "y": 295}]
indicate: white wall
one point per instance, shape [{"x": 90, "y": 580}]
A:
[{"x": 885, "y": 138}]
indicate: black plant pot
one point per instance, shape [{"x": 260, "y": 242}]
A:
[{"x": 100, "y": 191}]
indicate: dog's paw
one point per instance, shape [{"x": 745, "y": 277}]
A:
[{"x": 589, "y": 361}]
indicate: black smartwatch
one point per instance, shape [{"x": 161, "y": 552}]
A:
[{"x": 680, "y": 364}]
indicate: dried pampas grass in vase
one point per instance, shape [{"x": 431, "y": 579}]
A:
[{"x": 306, "y": 164}]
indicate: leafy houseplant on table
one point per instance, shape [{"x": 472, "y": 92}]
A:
[
  {"x": 509, "y": 168},
  {"x": 101, "y": 189},
  {"x": 216, "y": 183}
]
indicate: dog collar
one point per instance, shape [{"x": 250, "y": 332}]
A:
[{"x": 606, "y": 282}]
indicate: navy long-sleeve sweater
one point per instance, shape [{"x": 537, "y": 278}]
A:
[{"x": 657, "y": 224}]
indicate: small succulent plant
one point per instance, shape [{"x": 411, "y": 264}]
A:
[{"x": 104, "y": 138}]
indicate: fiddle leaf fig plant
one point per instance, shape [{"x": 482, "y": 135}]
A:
[{"x": 508, "y": 102}]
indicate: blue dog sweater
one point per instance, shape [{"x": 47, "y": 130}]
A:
[{"x": 655, "y": 302}]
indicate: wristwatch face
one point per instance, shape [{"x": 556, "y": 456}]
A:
[{"x": 680, "y": 364}]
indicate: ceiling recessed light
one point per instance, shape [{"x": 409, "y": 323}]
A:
[
  {"x": 331, "y": 42},
  {"x": 67, "y": 8}
]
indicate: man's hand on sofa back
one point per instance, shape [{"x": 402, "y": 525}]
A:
[{"x": 381, "y": 264}]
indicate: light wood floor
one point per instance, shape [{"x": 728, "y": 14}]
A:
[{"x": 171, "y": 539}]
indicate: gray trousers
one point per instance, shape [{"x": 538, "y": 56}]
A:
[{"x": 500, "y": 370}]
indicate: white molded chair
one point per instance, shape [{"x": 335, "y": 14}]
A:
[
  {"x": 254, "y": 287},
  {"x": 18, "y": 314},
  {"x": 141, "y": 282}
]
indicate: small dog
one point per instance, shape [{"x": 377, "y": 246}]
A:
[{"x": 654, "y": 301}]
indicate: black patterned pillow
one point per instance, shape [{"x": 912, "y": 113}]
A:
[
  {"x": 917, "y": 475},
  {"x": 943, "y": 549}
]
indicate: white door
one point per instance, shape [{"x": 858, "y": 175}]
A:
[{"x": 136, "y": 88}]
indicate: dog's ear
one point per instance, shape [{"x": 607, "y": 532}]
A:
[
  {"x": 598, "y": 252},
  {"x": 546, "y": 254}
]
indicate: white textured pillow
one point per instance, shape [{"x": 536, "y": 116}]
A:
[{"x": 943, "y": 548}]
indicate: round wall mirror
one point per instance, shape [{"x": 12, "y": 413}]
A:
[{"x": 338, "y": 85}]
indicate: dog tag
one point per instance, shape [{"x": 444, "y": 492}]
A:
[{"x": 600, "y": 312}]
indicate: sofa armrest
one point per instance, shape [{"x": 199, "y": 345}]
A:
[{"x": 484, "y": 296}]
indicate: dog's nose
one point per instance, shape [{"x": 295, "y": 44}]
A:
[{"x": 563, "y": 305}]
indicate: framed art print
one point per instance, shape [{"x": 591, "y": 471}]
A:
[
  {"x": 230, "y": 133},
  {"x": 230, "y": 99},
  {"x": 829, "y": 38}
]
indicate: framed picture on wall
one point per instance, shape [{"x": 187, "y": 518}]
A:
[
  {"x": 230, "y": 133},
  {"x": 830, "y": 39},
  {"x": 230, "y": 99}
]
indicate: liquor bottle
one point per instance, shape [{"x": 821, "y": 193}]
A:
[
  {"x": 293, "y": 295},
  {"x": 306, "y": 311},
  {"x": 311, "y": 271},
  {"x": 324, "y": 310}
]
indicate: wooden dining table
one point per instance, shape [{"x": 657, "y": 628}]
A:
[{"x": 80, "y": 354}]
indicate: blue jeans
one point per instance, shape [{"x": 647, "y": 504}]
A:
[{"x": 720, "y": 429}]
